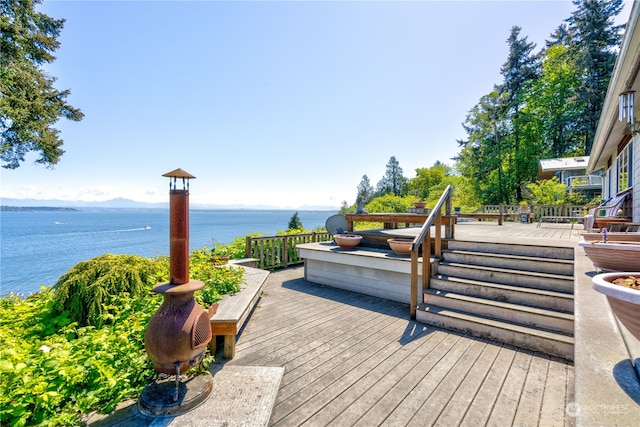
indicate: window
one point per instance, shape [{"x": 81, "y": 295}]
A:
[{"x": 624, "y": 168}]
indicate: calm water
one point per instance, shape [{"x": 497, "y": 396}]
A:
[{"x": 36, "y": 248}]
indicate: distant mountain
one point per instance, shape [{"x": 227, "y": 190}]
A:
[
  {"x": 114, "y": 203},
  {"x": 132, "y": 204}
]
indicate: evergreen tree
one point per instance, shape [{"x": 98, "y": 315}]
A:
[
  {"x": 29, "y": 105},
  {"x": 519, "y": 71},
  {"x": 365, "y": 191},
  {"x": 294, "y": 222},
  {"x": 482, "y": 156},
  {"x": 594, "y": 41},
  {"x": 393, "y": 182},
  {"x": 559, "y": 37}
]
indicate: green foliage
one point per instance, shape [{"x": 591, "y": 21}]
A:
[
  {"x": 594, "y": 46},
  {"x": 389, "y": 203},
  {"x": 236, "y": 249},
  {"x": 30, "y": 104},
  {"x": 53, "y": 369},
  {"x": 218, "y": 281},
  {"x": 88, "y": 289},
  {"x": 548, "y": 192},
  {"x": 427, "y": 179},
  {"x": 547, "y": 105},
  {"x": 294, "y": 222}
]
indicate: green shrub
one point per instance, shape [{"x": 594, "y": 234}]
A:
[
  {"x": 218, "y": 281},
  {"x": 53, "y": 368},
  {"x": 90, "y": 286}
]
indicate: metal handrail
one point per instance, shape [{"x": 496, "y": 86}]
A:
[{"x": 423, "y": 239}]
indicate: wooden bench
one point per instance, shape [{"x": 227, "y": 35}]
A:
[
  {"x": 556, "y": 219},
  {"x": 500, "y": 217},
  {"x": 233, "y": 310}
]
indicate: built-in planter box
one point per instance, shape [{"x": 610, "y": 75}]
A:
[
  {"x": 370, "y": 271},
  {"x": 624, "y": 301}
]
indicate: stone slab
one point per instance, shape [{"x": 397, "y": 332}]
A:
[{"x": 241, "y": 396}]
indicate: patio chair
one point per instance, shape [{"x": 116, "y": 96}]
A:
[{"x": 610, "y": 208}]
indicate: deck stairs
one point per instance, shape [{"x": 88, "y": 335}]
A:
[{"x": 511, "y": 293}]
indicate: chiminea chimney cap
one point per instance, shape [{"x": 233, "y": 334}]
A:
[{"x": 179, "y": 173}]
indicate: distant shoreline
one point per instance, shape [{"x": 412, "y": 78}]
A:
[{"x": 36, "y": 209}]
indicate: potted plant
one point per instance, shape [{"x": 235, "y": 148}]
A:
[{"x": 623, "y": 293}]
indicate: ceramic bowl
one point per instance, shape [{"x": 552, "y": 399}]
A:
[
  {"x": 400, "y": 246},
  {"x": 347, "y": 241}
]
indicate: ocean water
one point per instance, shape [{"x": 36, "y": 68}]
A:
[{"x": 36, "y": 248}]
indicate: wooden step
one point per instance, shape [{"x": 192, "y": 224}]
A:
[
  {"x": 549, "y": 252},
  {"x": 503, "y": 311},
  {"x": 551, "y": 343},
  {"x": 552, "y": 282},
  {"x": 540, "y": 298},
  {"x": 516, "y": 262}
]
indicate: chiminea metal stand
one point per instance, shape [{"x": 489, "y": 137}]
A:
[{"x": 178, "y": 333}]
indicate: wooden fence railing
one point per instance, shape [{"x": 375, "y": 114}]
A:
[
  {"x": 537, "y": 210},
  {"x": 280, "y": 251}
]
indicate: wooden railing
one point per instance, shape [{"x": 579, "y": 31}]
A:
[
  {"x": 424, "y": 240},
  {"x": 280, "y": 251},
  {"x": 536, "y": 211},
  {"x": 555, "y": 210}
]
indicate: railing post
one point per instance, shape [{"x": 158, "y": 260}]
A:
[
  {"x": 448, "y": 232},
  {"x": 426, "y": 262},
  {"x": 247, "y": 247},
  {"x": 438, "y": 248},
  {"x": 414, "y": 284},
  {"x": 285, "y": 249}
]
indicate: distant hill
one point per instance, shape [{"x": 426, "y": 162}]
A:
[
  {"x": 132, "y": 204},
  {"x": 6, "y": 208},
  {"x": 114, "y": 203}
]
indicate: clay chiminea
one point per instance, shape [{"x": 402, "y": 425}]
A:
[{"x": 178, "y": 333}]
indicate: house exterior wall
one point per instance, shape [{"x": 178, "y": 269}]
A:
[
  {"x": 610, "y": 181},
  {"x": 635, "y": 166}
]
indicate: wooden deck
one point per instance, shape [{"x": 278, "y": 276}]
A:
[{"x": 350, "y": 360}]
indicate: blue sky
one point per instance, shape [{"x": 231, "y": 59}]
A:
[{"x": 286, "y": 103}]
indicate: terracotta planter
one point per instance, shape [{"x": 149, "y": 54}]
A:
[
  {"x": 419, "y": 204},
  {"x": 612, "y": 237},
  {"x": 613, "y": 255},
  {"x": 400, "y": 246},
  {"x": 347, "y": 241},
  {"x": 624, "y": 302}
]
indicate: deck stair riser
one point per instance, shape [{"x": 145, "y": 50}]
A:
[
  {"x": 513, "y": 249},
  {"x": 534, "y": 339},
  {"x": 552, "y": 282},
  {"x": 516, "y": 262},
  {"x": 520, "y": 295},
  {"x": 523, "y": 315},
  {"x": 549, "y": 300}
]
